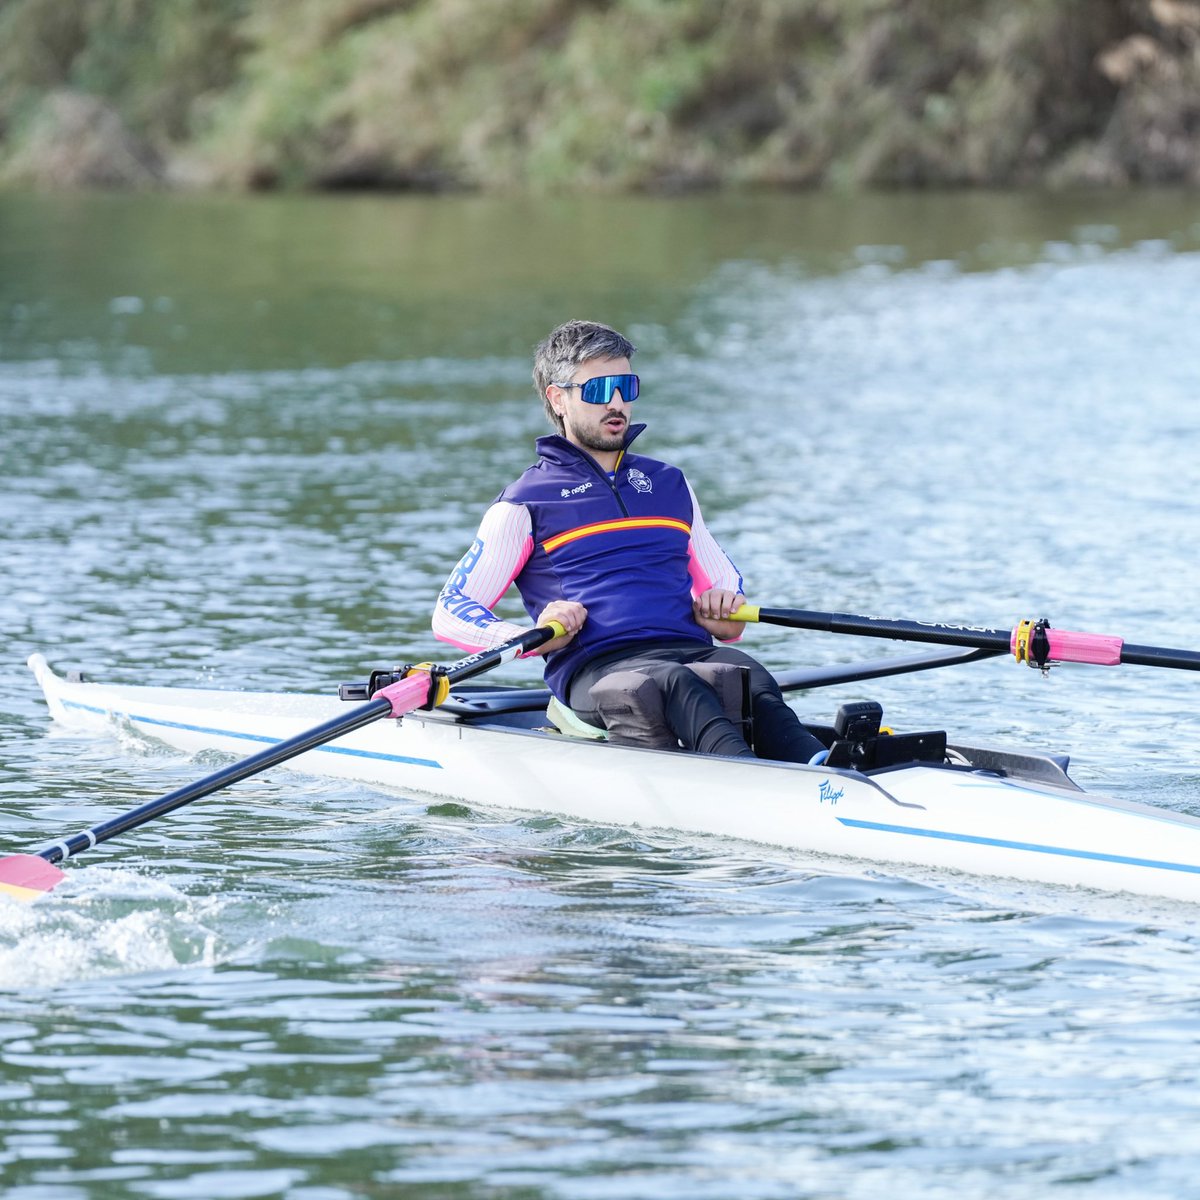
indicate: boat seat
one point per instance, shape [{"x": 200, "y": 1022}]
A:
[
  {"x": 567, "y": 721},
  {"x": 630, "y": 704}
]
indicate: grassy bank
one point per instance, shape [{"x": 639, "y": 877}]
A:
[{"x": 614, "y": 94}]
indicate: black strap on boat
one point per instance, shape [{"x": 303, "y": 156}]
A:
[{"x": 376, "y": 681}]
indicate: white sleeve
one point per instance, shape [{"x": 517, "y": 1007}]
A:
[
  {"x": 709, "y": 565},
  {"x": 463, "y": 614}
]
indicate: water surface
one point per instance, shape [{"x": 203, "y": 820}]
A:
[{"x": 243, "y": 442}]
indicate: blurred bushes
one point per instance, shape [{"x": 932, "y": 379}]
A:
[{"x": 616, "y": 94}]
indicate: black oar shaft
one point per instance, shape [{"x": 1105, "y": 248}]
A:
[
  {"x": 382, "y": 705},
  {"x": 262, "y": 761},
  {"x": 1160, "y": 656},
  {"x": 889, "y": 627},
  {"x": 1062, "y": 645}
]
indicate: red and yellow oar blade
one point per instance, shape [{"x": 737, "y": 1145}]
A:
[{"x": 25, "y": 877}]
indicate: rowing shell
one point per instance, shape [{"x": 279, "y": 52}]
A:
[{"x": 983, "y": 811}]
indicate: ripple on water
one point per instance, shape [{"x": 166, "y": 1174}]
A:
[{"x": 309, "y": 989}]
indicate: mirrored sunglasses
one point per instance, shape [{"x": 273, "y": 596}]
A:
[{"x": 602, "y": 389}]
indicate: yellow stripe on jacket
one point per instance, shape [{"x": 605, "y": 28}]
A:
[{"x": 622, "y": 523}]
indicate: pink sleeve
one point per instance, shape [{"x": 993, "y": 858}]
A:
[
  {"x": 709, "y": 565},
  {"x": 463, "y": 614}
]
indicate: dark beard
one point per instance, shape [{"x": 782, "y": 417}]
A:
[{"x": 602, "y": 441}]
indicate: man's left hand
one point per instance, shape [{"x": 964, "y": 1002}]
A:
[{"x": 712, "y": 609}]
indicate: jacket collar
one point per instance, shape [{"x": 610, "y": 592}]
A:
[{"x": 556, "y": 449}]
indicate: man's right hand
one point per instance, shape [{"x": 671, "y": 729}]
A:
[{"x": 570, "y": 614}]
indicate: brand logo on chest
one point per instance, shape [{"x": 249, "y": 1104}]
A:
[{"x": 583, "y": 487}]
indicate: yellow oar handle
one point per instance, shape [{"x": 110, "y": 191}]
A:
[
  {"x": 748, "y": 612},
  {"x": 559, "y": 631}
]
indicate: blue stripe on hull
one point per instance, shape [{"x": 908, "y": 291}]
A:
[
  {"x": 875, "y": 826},
  {"x": 256, "y": 737},
  {"x": 1032, "y": 847}
]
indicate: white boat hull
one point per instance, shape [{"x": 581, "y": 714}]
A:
[{"x": 955, "y": 818}]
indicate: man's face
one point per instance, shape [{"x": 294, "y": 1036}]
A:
[{"x": 593, "y": 426}]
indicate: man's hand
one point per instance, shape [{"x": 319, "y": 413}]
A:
[
  {"x": 570, "y": 614},
  {"x": 712, "y": 609}
]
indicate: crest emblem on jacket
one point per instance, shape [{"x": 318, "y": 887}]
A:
[{"x": 640, "y": 480}]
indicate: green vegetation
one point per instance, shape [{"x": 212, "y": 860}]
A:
[{"x": 615, "y": 94}]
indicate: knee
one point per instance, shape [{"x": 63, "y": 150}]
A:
[{"x": 674, "y": 679}]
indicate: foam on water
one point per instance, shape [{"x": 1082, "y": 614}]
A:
[{"x": 100, "y": 923}]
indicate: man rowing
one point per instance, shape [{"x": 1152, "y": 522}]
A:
[{"x": 613, "y": 546}]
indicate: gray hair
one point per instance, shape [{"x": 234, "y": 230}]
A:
[{"x": 556, "y": 357}]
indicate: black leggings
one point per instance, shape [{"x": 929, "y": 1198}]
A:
[{"x": 692, "y": 710}]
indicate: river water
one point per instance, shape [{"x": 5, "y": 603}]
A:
[{"x": 244, "y": 439}]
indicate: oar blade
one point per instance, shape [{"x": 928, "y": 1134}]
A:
[{"x": 26, "y": 877}]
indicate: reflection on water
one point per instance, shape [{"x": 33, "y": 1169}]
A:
[
  {"x": 220, "y": 283},
  {"x": 242, "y": 442}
]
